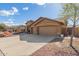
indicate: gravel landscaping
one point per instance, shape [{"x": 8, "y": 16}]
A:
[{"x": 59, "y": 49}]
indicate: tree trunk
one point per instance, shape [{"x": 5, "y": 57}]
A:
[
  {"x": 72, "y": 35},
  {"x": 71, "y": 40},
  {"x": 74, "y": 25}
]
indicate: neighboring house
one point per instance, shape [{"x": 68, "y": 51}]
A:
[
  {"x": 21, "y": 28},
  {"x": 69, "y": 31},
  {"x": 46, "y": 26},
  {"x": 77, "y": 31},
  {"x": 28, "y": 23},
  {"x": 9, "y": 29}
]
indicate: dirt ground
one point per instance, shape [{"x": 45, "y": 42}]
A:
[{"x": 59, "y": 49}]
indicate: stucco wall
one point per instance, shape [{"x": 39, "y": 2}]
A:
[{"x": 47, "y": 27}]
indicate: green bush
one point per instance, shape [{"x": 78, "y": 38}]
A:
[{"x": 2, "y": 26}]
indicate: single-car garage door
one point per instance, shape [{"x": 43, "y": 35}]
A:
[{"x": 49, "y": 30}]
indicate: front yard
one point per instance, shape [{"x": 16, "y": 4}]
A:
[
  {"x": 22, "y": 44},
  {"x": 37, "y": 45},
  {"x": 59, "y": 49}
]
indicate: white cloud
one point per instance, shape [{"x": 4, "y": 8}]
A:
[
  {"x": 5, "y": 13},
  {"x": 9, "y": 22},
  {"x": 25, "y": 8},
  {"x": 13, "y": 11},
  {"x": 40, "y": 3}
]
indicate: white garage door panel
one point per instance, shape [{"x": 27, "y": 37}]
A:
[{"x": 52, "y": 30}]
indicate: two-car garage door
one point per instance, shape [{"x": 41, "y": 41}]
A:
[{"x": 49, "y": 30}]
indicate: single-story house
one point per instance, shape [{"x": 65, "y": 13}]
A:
[
  {"x": 46, "y": 26},
  {"x": 77, "y": 31},
  {"x": 28, "y": 23},
  {"x": 19, "y": 29},
  {"x": 69, "y": 31}
]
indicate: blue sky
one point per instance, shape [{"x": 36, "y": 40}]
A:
[{"x": 19, "y": 13}]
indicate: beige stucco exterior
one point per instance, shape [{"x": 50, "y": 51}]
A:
[
  {"x": 46, "y": 27},
  {"x": 77, "y": 31},
  {"x": 27, "y": 27}
]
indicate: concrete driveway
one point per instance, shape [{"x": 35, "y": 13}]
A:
[{"x": 23, "y": 44}]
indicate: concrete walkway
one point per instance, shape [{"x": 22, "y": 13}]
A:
[{"x": 13, "y": 46}]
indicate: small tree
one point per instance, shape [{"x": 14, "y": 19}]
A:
[
  {"x": 2, "y": 27},
  {"x": 71, "y": 10}
]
